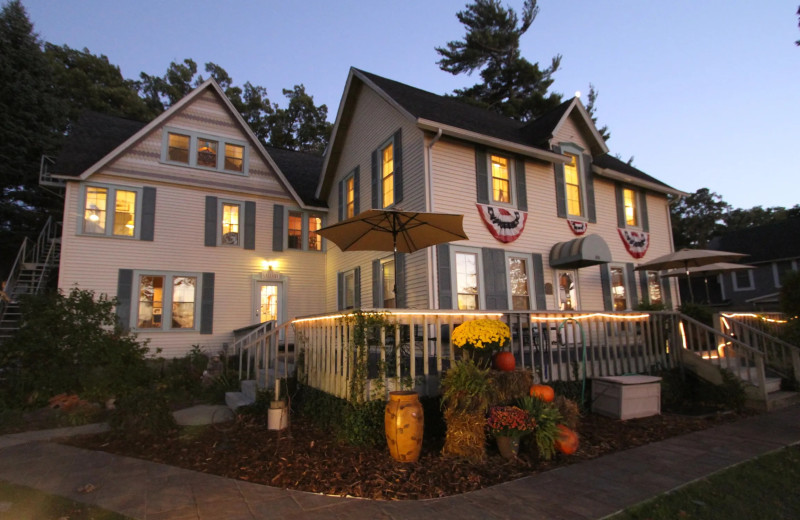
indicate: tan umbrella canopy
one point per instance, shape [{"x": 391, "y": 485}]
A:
[
  {"x": 687, "y": 259},
  {"x": 709, "y": 270},
  {"x": 394, "y": 230}
]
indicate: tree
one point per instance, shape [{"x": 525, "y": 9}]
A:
[
  {"x": 511, "y": 85},
  {"x": 798, "y": 24},
  {"x": 757, "y": 216},
  {"x": 590, "y": 108},
  {"x": 302, "y": 125},
  {"x": 697, "y": 218}
]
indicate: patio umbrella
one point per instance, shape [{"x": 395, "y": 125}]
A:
[
  {"x": 394, "y": 230},
  {"x": 686, "y": 259},
  {"x": 709, "y": 270}
]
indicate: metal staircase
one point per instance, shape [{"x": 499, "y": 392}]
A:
[{"x": 35, "y": 263}]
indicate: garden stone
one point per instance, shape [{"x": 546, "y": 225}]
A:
[{"x": 203, "y": 414}]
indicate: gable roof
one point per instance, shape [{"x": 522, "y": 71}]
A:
[
  {"x": 301, "y": 170},
  {"x": 769, "y": 242},
  {"x": 613, "y": 168},
  {"x": 134, "y": 135}
]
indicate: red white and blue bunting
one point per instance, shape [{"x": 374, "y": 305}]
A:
[
  {"x": 578, "y": 227},
  {"x": 636, "y": 242},
  {"x": 505, "y": 225}
]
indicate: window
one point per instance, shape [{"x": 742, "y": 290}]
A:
[
  {"x": 295, "y": 234},
  {"x": 743, "y": 280},
  {"x": 314, "y": 225},
  {"x": 387, "y": 284},
  {"x": 387, "y": 175},
  {"x": 203, "y": 151},
  {"x": 167, "y": 301},
  {"x": 572, "y": 182},
  {"x": 779, "y": 270},
  {"x": 230, "y": 224},
  {"x": 629, "y": 201},
  {"x": 122, "y": 222},
  {"x": 301, "y": 232},
  {"x": 467, "y": 289},
  {"x": 654, "y": 288},
  {"x": 519, "y": 279},
  {"x": 618, "y": 296},
  {"x": 501, "y": 180},
  {"x": 349, "y": 295},
  {"x": 350, "y": 197},
  {"x": 567, "y": 290}
]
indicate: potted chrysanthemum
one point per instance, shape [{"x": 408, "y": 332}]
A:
[
  {"x": 481, "y": 338},
  {"x": 508, "y": 424}
]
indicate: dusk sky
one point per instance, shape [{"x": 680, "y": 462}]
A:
[{"x": 700, "y": 93}]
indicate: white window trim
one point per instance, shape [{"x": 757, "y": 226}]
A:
[
  {"x": 735, "y": 281},
  {"x": 512, "y": 185},
  {"x": 381, "y": 296},
  {"x": 454, "y": 250},
  {"x": 306, "y": 215},
  {"x": 194, "y": 135},
  {"x": 531, "y": 294},
  {"x": 381, "y": 148},
  {"x": 166, "y": 316},
  {"x": 625, "y": 284},
  {"x": 776, "y": 275},
  {"x": 576, "y": 278},
  {"x": 221, "y": 214},
  {"x": 577, "y": 151},
  {"x": 110, "y": 205}
]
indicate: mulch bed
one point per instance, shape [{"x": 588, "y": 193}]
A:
[{"x": 307, "y": 459}]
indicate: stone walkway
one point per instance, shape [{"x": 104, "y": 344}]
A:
[{"x": 593, "y": 489}]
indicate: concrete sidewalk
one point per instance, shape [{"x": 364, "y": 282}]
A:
[{"x": 594, "y": 489}]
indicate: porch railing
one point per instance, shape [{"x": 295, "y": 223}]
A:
[
  {"x": 780, "y": 356},
  {"x": 266, "y": 355},
  {"x": 767, "y": 322}
]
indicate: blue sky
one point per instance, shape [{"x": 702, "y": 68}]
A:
[{"x": 701, "y": 94}]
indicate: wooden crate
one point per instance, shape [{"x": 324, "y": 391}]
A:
[{"x": 626, "y": 397}]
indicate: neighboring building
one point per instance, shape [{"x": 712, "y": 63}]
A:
[
  {"x": 199, "y": 230},
  {"x": 773, "y": 249}
]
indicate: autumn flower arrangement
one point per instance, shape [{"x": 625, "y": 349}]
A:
[
  {"x": 481, "y": 335},
  {"x": 510, "y": 421}
]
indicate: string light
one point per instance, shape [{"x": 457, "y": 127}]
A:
[
  {"x": 750, "y": 315},
  {"x": 594, "y": 315},
  {"x": 411, "y": 313}
]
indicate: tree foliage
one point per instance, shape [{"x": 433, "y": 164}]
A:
[
  {"x": 757, "y": 216},
  {"x": 511, "y": 86},
  {"x": 697, "y": 218},
  {"x": 591, "y": 108}
]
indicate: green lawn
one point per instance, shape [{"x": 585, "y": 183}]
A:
[
  {"x": 24, "y": 503},
  {"x": 766, "y": 488}
]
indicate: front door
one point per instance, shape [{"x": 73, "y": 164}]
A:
[{"x": 268, "y": 301}]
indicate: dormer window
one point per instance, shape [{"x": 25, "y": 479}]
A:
[
  {"x": 207, "y": 153},
  {"x": 234, "y": 157},
  {"x": 572, "y": 180},
  {"x": 189, "y": 148},
  {"x": 178, "y": 148}
]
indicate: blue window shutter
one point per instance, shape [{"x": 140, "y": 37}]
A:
[
  {"x": 643, "y": 287},
  {"x": 398, "y": 166},
  {"x": 377, "y": 300},
  {"x": 342, "y": 189},
  {"x": 124, "y": 295},
  {"x": 591, "y": 212},
  {"x": 249, "y": 225},
  {"x": 620, "y": 205},
  {"x": 277, "y": 228},
  {"x": 445, "y": 290},
  {"x": 356, "y": 191},
  {"x": 605, "y": 283},
  {"x": 340, "y": 291},
  {"x": 632, "y": 298},
  {"x": 494, "y": 278},
  {"x": 561, "y": 187},
  {"x": 376, "y": 203},
  {"x": 521, "y": 182},
  {"x": 644, "y": 220},
  {"x": 211, "y": 222},
  {"x": 357, "y": 284},
  {"x": 207, "y": 305},
  {"x": 538, "y": 281},
  {"x": 481, "y": 175},
  {"x": 400, "y": 281},
  {"x": 148, "y": 214}
]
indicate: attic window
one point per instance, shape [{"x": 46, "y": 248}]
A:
[
  {"x": 178, "y": 148},
  {"x": 234, "y": 157},
  {"x": 209, "y": 152}
]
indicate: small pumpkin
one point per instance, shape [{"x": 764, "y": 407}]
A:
[
  {"x": 504, "y": 361},
  {"x": 543, "y": 392},
  {"x": 567, "y": 440}
]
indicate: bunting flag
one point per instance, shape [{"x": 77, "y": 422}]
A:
[
  {"x": 578, "y": 227},
  {"x": 636, "y": 242},
  {"x": 505, "y": 225}
]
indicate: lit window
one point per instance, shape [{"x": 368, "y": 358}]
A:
[
  {"x": 207, "y": 153},
  {"x": 124, "y": 213},
  {"x": 501, "y": 183},
  {"x": 314, "y": 240},
  {"x": 618, "y": 297},
  {"x": 387, "y": 284},
  {"x": 350, "y": 198},
  {"x": 467, "y": 281},
  {"x": 183, "y": 299},
  {"x": 98, "y": 220},
  {"x": 387, "y": 175},
  {"x": 567, "y": 290},
  {"x": 178, "y": 150},
  {"x": 295, "y": 234},
  {"x": 654, "y": 288},
  {"x": 520, "y": 287},
  {"x": 167, "y": 302},
  {"x": 230, "y": 224},
  {"x": 629, "y": 197},
  {"x": 573, "y": 186},
  {"x": 234, "y": 157},
  {"x": 151, "y": 302},
  {"x": 94, "y": 219}
]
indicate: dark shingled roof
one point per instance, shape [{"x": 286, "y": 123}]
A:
[
  {"x": 763, "y": 243},
  {"x": 302, "y": 170},
  {"x": 612, "y": 163},
  {"x": 92, "y": 137}
]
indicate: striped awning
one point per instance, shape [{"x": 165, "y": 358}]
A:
[{"x": 580, "y": 252}]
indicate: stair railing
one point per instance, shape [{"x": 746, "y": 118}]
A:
[
  {"x": 264, "y": 354},
  {"x": 779, "y": 355}
]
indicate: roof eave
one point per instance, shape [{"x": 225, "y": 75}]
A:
[
  {"x": 452, "y": 131},
  {"x": 617, "y": 176},
  {"x": 601, "y": 146}
]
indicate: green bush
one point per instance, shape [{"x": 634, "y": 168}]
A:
[
  {"x": 684, "y": 392},
  {"x": 142, "y": 411},
  {"x": 354, "y": 423},
  {"x": 547, "y": 419},
  {"x": 698, "y": 312},
  {"x": 70, "y": 344}
]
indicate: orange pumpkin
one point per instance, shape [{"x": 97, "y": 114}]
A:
[
  {"x": 504, "y": 361},
  {"x": 543, "y": 392},
  {"x": 567, "y": 440}
]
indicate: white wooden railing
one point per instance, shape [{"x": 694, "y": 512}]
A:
[
  {"x": 266, "y": 355},
  {"x": 760, "y": 333}
]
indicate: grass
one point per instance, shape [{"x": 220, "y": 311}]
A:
[
  {"x": 765, "y": 488},
  {"x": 23, "y": 503}
]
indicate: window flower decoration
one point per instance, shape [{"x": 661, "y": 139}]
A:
[
  {"x": 481, "y": 335},
  {"x": 509, "y": 421}
]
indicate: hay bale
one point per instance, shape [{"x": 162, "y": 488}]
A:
[
  {"x": 570, "y": 412},
  {"x": 510, "y": 386},
  {"x": 466, "y": 435}
]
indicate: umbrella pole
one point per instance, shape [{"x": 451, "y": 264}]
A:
[{"x": 689, "y": 282}]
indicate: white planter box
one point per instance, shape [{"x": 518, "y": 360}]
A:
[{"x": 626, "y": 397}]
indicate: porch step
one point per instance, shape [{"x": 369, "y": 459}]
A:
[
  {"x": 775, "y": 401},
  {"x": 750, "y": 375},
  {"x": 236, "y": 399}
]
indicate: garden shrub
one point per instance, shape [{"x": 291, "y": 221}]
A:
[
  {"x": 142, "y": 411},
  {"x": 354, "y": 423},
  {"x": 682, "y": 391},
  {"x": 698, "y": 312}
]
